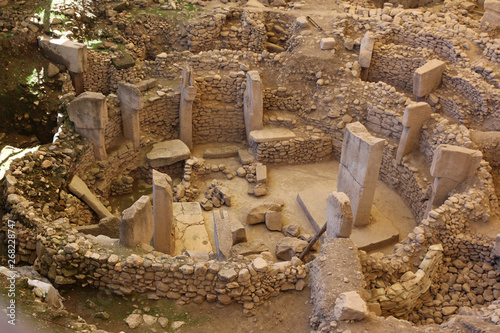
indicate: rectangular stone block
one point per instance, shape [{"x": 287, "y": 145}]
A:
[
  {"x": 327, "y": 43},
  {"x": 339, "y": 217},
  {"x": 427, "y": 78},
  {"x": 261, "y": 174},
  {"x": 414, "y": 117},
  {"x": 455, "y": 162},
  {"x": 366, "y": 49},
  {"x": 66, "y": 52},
  {"x": 253, "y": 104},
  {"x": 137, "y": 223},
  {"x": 238, "y": 231}
]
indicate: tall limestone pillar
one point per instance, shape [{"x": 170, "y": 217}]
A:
[
  {"x": 130, "y": 104},
  {"x": 188, "y": 94}
]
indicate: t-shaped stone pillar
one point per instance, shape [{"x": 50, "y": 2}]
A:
[
  {"x": 188, "y": 94},
  {"x": 414, "y": 117},
  {"x": 359, "y": 168},
  {"x": 130, "y": 104},
  {"x": 253, "y": 106},
  {"x": 89, "y": 112},
  {"x": 136, "y": 224},
  {"x": 69, "y": 53},
  {"x": 451, "y": 165},
  {"x": 338, "y": 216},
  {"x": 163, "y": 213}
]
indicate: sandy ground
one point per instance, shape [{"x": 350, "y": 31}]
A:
[{"x": 284, "y": 183}]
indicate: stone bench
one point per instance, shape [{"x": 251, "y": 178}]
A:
[{"x": 271, "y": 134}]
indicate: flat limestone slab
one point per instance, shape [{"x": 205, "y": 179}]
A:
[
  {"x": 221, "y": 152},
  {"x": 271, "y": 134},
  {"x": 190, "y": 231},
  {"x": 167, "y": 153},
  {"x": 373, "y": 236}
]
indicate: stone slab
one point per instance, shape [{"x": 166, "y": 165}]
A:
[
  {"x": 137, "y": 224},
  {"x": 375, "y": 235},
  {"x": 455, "y": 162},
  {"x": 66, "y": 52},
  {"x": 222, "y": 234},
  {"x": 366, "y": 49},
  {"x": 80, "y": 189},
  {"x": 89, "y": 110},
  {"x": 427, "y": 78},
  {"x": 271, "y": 134},
  {"x": 221, "y": 152},
  {"x": 167, "y": 153},
  {"x": 190, "y": 231}
]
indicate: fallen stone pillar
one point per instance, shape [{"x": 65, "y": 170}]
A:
[
  {"x": 89, "y": 112},
  {"x": 130, "y": 104},
  {"x": 253, "y": 103},
  {"x": 428, "y": 77},
  {"x": 137, "y": 224},
  {"x": 338, "y": 216},
  {"x": 163, "y": 213},
  {"x": 81, "y": 191},
  {"x": 188, "y": 94},
  {"x": 491, "y": 12},
  {"x": 366, "y": 50},
  {"x": 71, "y": 54},
  {"x": 360, "y": 162},
  {"x": 414, "y": 117},
  {"x": 451, "y": 165},
  {"x": 222, "y": 234}
]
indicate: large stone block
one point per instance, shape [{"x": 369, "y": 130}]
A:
[
  {"x": 167, "y": 153},
  {"x": 288, "y": 247},
  {"x": 360, "y": 162},
  {"x": 130, "y": 96},
  {"x": 78, "y": 187},
  {"x": 89, "y": 110},
  {"x": 188, "y": 94},
  {"x": 454, "y": 162},
  {"x": 338, "y": 216},
  {"x": 350, "y": 306},
  {"x": 137, "y": 223},
  {"x": 427, "y": 78},
  {"x": 66, "y": 52}
]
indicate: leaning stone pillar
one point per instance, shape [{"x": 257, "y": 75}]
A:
[
  {"x": 89, "y": 112},
  {"x": 188, "y": 94},
  {"x": 338, "y": 216},
  {"x": 360, "y": 162},
  {"x": 130, "y": 104},
  {"x": 451, "y": 165},
  {"x": 163, "y": 213},
  {"x": 253, "y": 103},
  {"x": 414, "y": 117}
]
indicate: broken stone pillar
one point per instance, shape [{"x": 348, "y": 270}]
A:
[
  {"x": 491, "y": 12},
  {"x": 338, "y": 216},
  {"x": 137, "y": 223},
  {"x": 222, "y": 234},
  {"x": 414, "y": 117},
  {"x": 78, "y": 187},
  {"x": 71, "y": 54},
  {"x": 89, "y": 112},
  {"x": 427, "y": 78},
  {"x": 253, "y": 103},
  {"x": 360, "y": 162},
  {"x": 130, "y": 104},
  {"x": 366, "y": 49},
  {"x": 451, "y": 165},
  {"x": 163, "y": 213},
  {"x": 188, "y": 94}
]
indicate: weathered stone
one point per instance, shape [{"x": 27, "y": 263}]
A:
[
  {"x": 163, "y": 213},
  {"x": 71, "y": 54},
  {"x": 338, "y": 216},
  {"x": 273, "y": 220},
  {"x": 222, "y": 234},
  {"x": 261, "y": 174},
  {"x": 350, "y": 306},
  {"x": 123, "y": 61},
  {"x": 253, "y": 103},
  {"x": 415, "y": 115},
  {"x": 167, "y": 153},
  {"x": 80, "y": 190},
  {"x": 247, "y": 248},
  {"x": 366, "y": 49},
  {"x": 188, "y": 94},
  {"x": 289, "y": 247},
  {"x": 327, "y": 43},
  {"x": 427, "y": 78},
  {"x": 258, "y": 214},
  {"x": 130, "y": 104},
  {"x": 137, "y": 223},
  {"x": 359, "y": 168},
  {"x": 134, "y": 320}
]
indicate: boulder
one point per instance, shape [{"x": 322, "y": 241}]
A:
[
  {"x": 289, "y": 247},
  {"x": 350, "y": 306}
]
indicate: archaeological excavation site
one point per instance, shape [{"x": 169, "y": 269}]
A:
[{"x": 250, "y": 166}]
